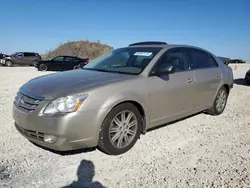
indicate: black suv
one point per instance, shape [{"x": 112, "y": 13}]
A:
[{"x": 23, "y": 59}]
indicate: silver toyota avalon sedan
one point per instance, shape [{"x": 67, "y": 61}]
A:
[{"x": 120, "y": 95}]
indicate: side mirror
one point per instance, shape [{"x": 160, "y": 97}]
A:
[{"x": 164, "y": 70}]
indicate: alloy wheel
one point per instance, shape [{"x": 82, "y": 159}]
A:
[
  {"x": 221, "y": 100},
  {"x": 123, "y": 129},
  {"x": 43, "y": 67}
]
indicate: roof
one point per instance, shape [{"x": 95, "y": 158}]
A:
[{"x": 168, "y": 46}]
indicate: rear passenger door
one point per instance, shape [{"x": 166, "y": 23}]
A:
[
  {"x": 29, "y": 58},
  {"x": 69, "y": 63},
  {"x": 207, "y": 77}
]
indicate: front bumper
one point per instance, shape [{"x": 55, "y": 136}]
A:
[
  {"x": 2, "y": 61},
  {"x": 73, "y": 130}
]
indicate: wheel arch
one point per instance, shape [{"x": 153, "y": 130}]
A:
[
  {"x": 135, "y": 100},
  {"x": 140, "y": 109},
  {"x": 227, "y": 87}
]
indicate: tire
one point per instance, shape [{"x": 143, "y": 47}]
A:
[
  {"x": 8, "y": 63},
  {"x": 43, "y": 67},
  {"x": 219, "y": 102},
  {"x": 76, "y": 67},
  {"x": 120, "y": 145}
]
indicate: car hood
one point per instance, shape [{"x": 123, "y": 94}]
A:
[{"x": 69, "y": 82}]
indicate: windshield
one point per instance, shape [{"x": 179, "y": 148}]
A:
[{"x": 124, "y": 60}]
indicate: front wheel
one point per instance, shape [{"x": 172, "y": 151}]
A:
[
  {"x": 43, "y": 67},
  {"x": 8, "y": 63},
  {"x": 120, "y": 129},
  {"x": 219, "y": 102}
]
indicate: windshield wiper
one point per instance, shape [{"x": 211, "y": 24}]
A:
[
  {"x": 101, "y": 70},
  {"x": 110, "y": 71}
]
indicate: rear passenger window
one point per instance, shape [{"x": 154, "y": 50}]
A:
[
  {"x": 69, "y": 59},
  {"x": 212, "y": 61},
  {"x": 201, "y": 60},
  {"x": 29, "y": 54}
]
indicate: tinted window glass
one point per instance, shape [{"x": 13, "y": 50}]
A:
[
  {"x": 213, "y": 63},
  {"x": 19, "y": 55},
  {"x": 176, "y": 58},
  {"x": 69, "y": 59},
  {"x": 29, "y": 54},
  {"x": 124, "y": 60},
  {"x": 59, "y": 58},
  {"x": 200, "y": 59}
]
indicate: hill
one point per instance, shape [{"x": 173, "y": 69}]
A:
[{"x": 79, "y": 48}]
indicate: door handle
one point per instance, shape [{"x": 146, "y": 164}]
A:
[
  {"x": 189, "y": 80},
  {"x": 217, "y": 75}
]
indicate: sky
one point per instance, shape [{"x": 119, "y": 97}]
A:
[{"x": 220, "y": 26}]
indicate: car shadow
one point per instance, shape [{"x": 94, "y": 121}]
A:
[
  {"x": 85, "y": 174},
  {"x": 240, "y": 81},
  {"x": 64, "y": 153},
  {"x": 173, "y": 122}
]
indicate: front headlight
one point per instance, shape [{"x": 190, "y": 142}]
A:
[{"x": 65, "y": 104}]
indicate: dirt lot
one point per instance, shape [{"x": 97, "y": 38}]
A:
[{"x": 201, "y": 151}]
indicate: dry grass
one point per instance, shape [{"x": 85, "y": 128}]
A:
[{"x": 79, "y": 48}]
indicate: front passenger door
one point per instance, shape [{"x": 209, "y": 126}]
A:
[
  {"x": 57, "y": 63},
  {"x": 18, "y": 59},
  {"x": 171, "y": 96}
]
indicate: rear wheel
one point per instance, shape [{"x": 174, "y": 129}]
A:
[
  {"x": 76, "y": 67},
  {"x": 219, "y": 102},
  {"x": 8, "y": 63},
  {"x": 43, "y": 67},
  {"x": 120, "y": 129}
]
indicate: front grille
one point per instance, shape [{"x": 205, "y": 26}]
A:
[
  {"x": 32, "y": 134},
  {"x": 26, "y": 103}
]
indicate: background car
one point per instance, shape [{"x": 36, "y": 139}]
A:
[
  {"x": 2, "y": 59},
  {"x": 62, "y": 63},
  {"x": 22, "y": 59},
  {"x": 225, "y": 60},
  {"x": 247, "y": 77},
  {"x": 237, "y": 61}
]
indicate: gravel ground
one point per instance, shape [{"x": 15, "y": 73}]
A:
[{"x": 201, "y": 151}]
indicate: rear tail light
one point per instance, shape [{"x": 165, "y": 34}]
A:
[{"x": 84, "y": 63}]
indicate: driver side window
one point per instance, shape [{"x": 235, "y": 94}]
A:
[
  {"x": 19, "y": 56},
  {"x": 59, "y": 59},
  {"x": 176, "y": 58}
]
